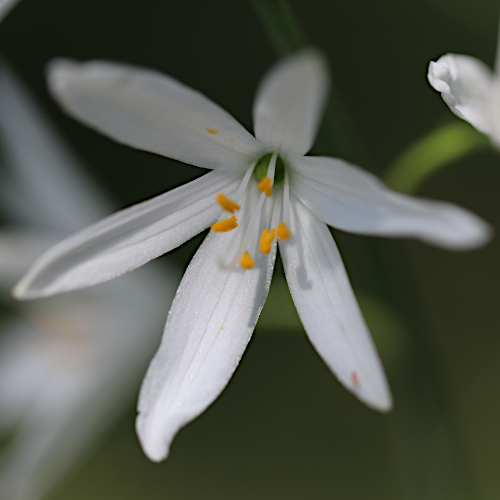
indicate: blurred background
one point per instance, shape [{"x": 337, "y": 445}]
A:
[{"x": 284, "y": 427}]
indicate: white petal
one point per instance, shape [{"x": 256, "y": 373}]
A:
[
  {"x": 28, "y": 465},
  {"x": 66, "y": 375},
  {"x": 148, "y": 110},
  {"x": 6, "y": 6},
  {"x": 290, "y": 101},
  {"x": 44, "y": 184},
  {"x": 211, "y": 321},
  {"x": 466, "y": 84},
  {"x": 349, "y": 198},
  {"x": 328, "y": 308},
  {"x": 127, "y": 239}
]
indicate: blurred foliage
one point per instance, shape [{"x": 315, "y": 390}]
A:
[{"x": 440, "y": 148}]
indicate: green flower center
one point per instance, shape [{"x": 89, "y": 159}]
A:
[{"x": 260, "y": 169}]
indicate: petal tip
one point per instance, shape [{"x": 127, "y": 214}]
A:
[
  {"x": 29, "y": 287},
  {"x": 468, "y": 86},
  {"x": 58, "y": 72},
  {"x": 438, "y": 75},
  {"x": 18, "y": 292},
  {"x": 474, "y": 233},
  {"x": 376, "y": 398},
  {"x": 317, "y": 62},
  {"x": 384, "y": 404},
  {"x": 152, "y": 444},
  {"x": 484, "y": 234},
  {"x": 21, "y": 291}
]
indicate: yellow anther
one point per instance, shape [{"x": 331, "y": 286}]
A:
[
  {"x": 266, "y": 186},
  {"x": 227, "y": 204},
  {"x": 266, "y": 239},
  {"x": 283, "y": 233},
  {"x": 246, "y": 261},
  {"x": 225, "y": 225}
]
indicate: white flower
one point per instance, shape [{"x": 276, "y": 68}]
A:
[
  {"x": 261, "y": 184},
  {"x": 68, "y": 365},
  {"x": 471, "y": 90}
]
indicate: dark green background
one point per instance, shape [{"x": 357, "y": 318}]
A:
[{"x": 284, "y": 428}]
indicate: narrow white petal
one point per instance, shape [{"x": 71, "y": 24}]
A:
[
  {"x": 328, "y": 308},
  {"x": 467, "y": 86},
  {"x": 290, "y": 101},
  {"x": 151, "y": 111},
  {"x": 42, "y": 183},
  {"x": 211, "y": 321},
  {"x": 127, "y": 239},
  {"x": 349, "y": 198},
  {"x": 6, "y": 6}
]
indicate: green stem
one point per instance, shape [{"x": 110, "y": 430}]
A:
[
  {"x": 434, "y": 151},
  {"x": 281, "y": 25}
]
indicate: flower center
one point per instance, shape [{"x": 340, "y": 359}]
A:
[
  {"x": 262, "y": 166},
  {"x": 272, "y": 204}
]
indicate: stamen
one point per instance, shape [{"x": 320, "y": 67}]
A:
[
  {"x": 249, "y": 243},
  {"x": 225, "y": 225},
  {"x": 286, "y": 200},
  {"x": 266, "y": 186},
  {"x": 283, "y": 231},
  {"x": 266, "y": 240},
  {"x": 249, "y": 240},
  {"x": 263, "y": 165},
  {"x": 246, "y": 261},
  {"x": 243, "y": 186},
  {"x": 227, "y": 204},
  {"x": 276, "y": 215}
]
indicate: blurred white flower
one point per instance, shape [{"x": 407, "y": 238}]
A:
[
  {"x": 6, "y": 6},
  {"x": 266, "y": 190},
  {"x": 68, "y": 365},
  {"x": 470, "y": 89}
]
